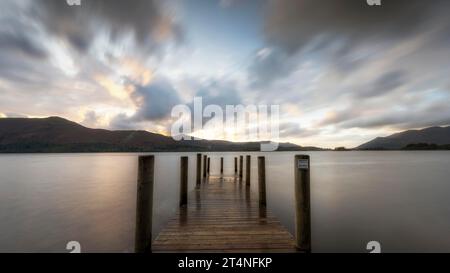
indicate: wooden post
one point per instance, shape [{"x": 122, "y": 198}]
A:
[
  {"x": 262, "y": 181},
  {"x": 302, "y": 203},
  {"x": 144, "y": 205},
  {"x": 199, "y": 170},
  {"x": 209, "y": 165},
  {"x": 184, "y": 181},
  {"x": 221, "y": 165},
  {"x": 241, "y": 166},
  {"x": 235, "y": 165},
  {"x": 247, "y": 170},
  {"x": 204, "y": 165}
]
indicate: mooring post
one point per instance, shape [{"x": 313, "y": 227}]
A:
[
  {"x": 235, "y": 166},
  {"x": 262, "y": 181},
  {"x": 241, "y": 166},
  {"x": 184, "y": 180},
  {"x": 199, "y": 170},
  {"x": 247, "y": 170},
  {"x": 209, "y": 165},
  {"x": 144, "y": 205},
  {"x": 302, "y": 203},
  {"x": 221, "y": 165},
  {"x": 204, "y": 165}
]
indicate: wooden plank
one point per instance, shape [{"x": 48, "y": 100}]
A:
[{"x": 223, "y": 216}]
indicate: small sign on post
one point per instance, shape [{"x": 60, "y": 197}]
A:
[
  {"x": 303, "y": 164},
  {"x": 302, "y": 203}
]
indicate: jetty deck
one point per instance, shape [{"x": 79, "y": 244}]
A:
[{"x": 222, "y": 215}]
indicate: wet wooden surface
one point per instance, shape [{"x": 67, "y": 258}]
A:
[{"x": 223, "y": 216}]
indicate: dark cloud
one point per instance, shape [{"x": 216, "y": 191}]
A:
[
  {"x": 340, "y": 32},
  {"x": 23, "y": 60},
  {"x": 21, "y": 50},
  {"x": 220, "y": 93},
  {"x": 291, "y": 25},
  {"x": 20, "y": 71},
  {"x": 155, "y": 101},
  {"x": 78, "y": 24},
  {"x": 22, "y": 44},
  {"x": 212, "y": 92},
  {"x": 268, "y": 68},
  {"x": 433, "y": 114},
  {"x": 294, "y": 130},
  {"x": 122, "y": 122},
  {"x": 376, "y": 121},
  {"x": 385, "y": 83}
]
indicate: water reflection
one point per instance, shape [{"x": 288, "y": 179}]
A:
[
  {"x": 183, "y": 219},
  {"x": 247, "y": 195},
  {"x": 263, "y": 212},
  {"x": 198, "y": 201}
]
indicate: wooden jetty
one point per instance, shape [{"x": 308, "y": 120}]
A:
[{"x": 222, "y": 214}]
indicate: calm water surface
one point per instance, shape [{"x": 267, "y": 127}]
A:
[{"x": 400, "y": 199}]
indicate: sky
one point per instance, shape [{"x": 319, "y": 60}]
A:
[{"x": 342, "y": 72}]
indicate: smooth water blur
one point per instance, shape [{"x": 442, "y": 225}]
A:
[{"x": 397, "y": 198}]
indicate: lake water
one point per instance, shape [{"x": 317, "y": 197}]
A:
[{"x": 400, "y": 199}]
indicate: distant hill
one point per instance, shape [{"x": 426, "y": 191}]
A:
[
  {"x": 437, "y": 137},
  {"x": 58, "y": 135}
]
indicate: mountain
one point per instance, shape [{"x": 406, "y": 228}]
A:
[
  {"x": 54, "y": 134},
  {"x": 438, "y": 136}
]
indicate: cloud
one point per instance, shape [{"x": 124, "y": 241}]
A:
[
  {"x": 22, "y": 44},
  {"x": 292, "y": 25},
  {"x": 41, "y": 74},
  {"x": 349, "y": 66},
  {"x": 427, "y": 114},
  {"x": 91, "y": 119},
  {"x": 294, "y": 130},
  {"x": 122, "y": 122},
  {"x": 434, "y": 114},
  {"x": 145, "y": 19},
  {"x": 21, "y": 51},
  {"x": 15, "y": 115},
  {"x": 220, "y": 93},
  {"x": 384, "y": 84},
  {"x": 345, "y": 34},
  {"x": 268, "y": 66},
  {"x": 337, "y": 117},
  {"x": 155, "y": 101}
]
